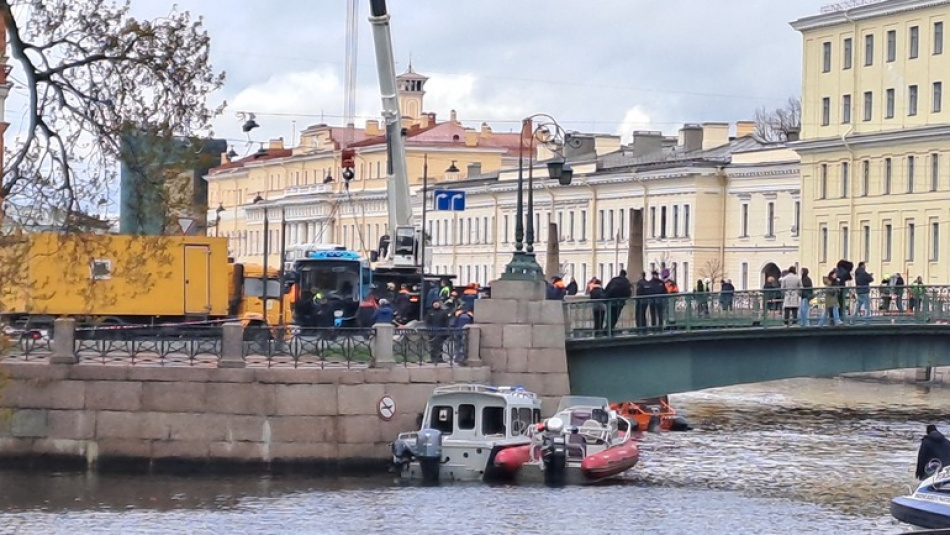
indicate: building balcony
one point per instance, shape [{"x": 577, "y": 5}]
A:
[{"x": 308, "y": 190}]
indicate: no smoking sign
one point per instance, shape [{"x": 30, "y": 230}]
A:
[{"x": 386, "y": 408}]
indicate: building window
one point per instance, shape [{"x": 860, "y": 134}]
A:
[
  {"x": 824, "y": 244},
  {"x": 888, "y": 174},
  {"x": 888, "y": 242},
  {"x": 823, "y": 182},
  {"x": 825, "y": 111},
  {"x": 745, "y": 276},
  {"x": 601, "y": 227},
  {"x": 911, "y": 238},
  {"x": 507, "y": 230},
  {"x": 868, "y": 50},
  {"x": 866, "y": 242},
  {"x": 848, "y": 52},
  {"x": 826, "y": 57},
  {"x": 865, "y": 177},
  {"x": 570, "y": 220},
  {"x": 938, "y": 38},
  {"x": 845, "y": 242},
  {"x": 937, "y": 97},
  {"x": 744, "y": 221},
  {"x": 583, "y": 225},
  {"x": 676, "y": 221},
  {"x": 911, "y": 171},
  {"x": 622, "y": 229},
  {"x": 796, "y": 228},
  {"x": 846, "y": 109},
  {"x": 770, "y": 221},
  {"x": 610, "y": 226},
  {"x": 868, "y": 105},
  {"x": 686, "y": 229},
  {"x": 934, "y": 172},
  {"x": 889, "y": 105},
  {"x": 914, "y": 42},
  {"x": 891, "y": 45},
  {"x": 845, "y": 179},
  {"x": 912, "y": 100},
  {"x": 934, "y": 241},
  {"x": 662, "y": 222},
  {"x": 653, "y": 221}
]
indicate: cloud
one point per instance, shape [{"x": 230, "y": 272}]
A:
[{"x": 634, "y": 119}]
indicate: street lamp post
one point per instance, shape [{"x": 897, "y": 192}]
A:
[
  {"x": 524, "y": 265},
  {"x": 217, "y": 219}
]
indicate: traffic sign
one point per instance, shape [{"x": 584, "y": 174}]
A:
[
  {"x": 449, "y": 200},
  {"x": 386, "y": 408}
]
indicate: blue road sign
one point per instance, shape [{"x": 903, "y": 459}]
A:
[{"x": 449, "y": 200}]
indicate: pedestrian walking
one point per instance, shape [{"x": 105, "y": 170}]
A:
[{"x": 791, "y": 285}]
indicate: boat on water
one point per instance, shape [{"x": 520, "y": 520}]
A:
[
  {"x": 929, "y": 505},
  {"x": 464, "y": 427},
  {"x": 584, "y": 442},
  {"x": 652, "y": 414}
]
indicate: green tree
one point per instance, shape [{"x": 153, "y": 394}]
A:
[{"x": 93, "y": 73}]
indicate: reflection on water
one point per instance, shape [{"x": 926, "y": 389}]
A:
[{"x": 807, "y": 456}]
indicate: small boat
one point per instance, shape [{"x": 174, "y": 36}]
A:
[
  {"x": 464, "y": 428},
  {"x": 652, "y": 414},
  {"x": 584, "y": 442},
  {"x": 929, "y": 505}
]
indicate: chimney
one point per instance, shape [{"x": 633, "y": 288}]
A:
[
  {"x": 431, "y": 115},
  {"x": 453, "y": 117},
  {"x": 471, "y": 138},
  {"x": 647, "y": 143},
  {"x": 691, "y": 137},
  {"x": 794, "y": 134},
  {"x": 224, "y": 158},
  {"x": 486, "y": 130},
  {"x": 745, "y": 128},
  {"x": 474, "y": 170},
  {"x": 275, "y": 144},
  {"x": 372, "y": 128},
  {"x": 715, "y": 135},
  {"x": 424, "y": 121}
]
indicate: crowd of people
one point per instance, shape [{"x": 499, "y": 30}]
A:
[{"x": 843, "y": 295}]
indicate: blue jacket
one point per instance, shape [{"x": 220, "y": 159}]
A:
[
  {"x": 462, "y": 320},
  {"x": 384, "y": 314},
  {"x": 431, "y": 297}
]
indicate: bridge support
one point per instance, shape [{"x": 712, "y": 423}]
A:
[{"x": 523, "y": 339}]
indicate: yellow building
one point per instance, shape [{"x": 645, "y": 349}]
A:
[
  {"x": 301, "y": 188},
  {"x": 691, "y": 190},
  {"x": 875, "y": 151}
]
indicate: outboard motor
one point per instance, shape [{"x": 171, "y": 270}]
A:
[
  {"x": 554, "y": 452},
  {"x": 402, "y": 454},
  {"x": 429, "y": 453}
]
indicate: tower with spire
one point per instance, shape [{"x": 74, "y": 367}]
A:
[{"x": 411, "y": 91}]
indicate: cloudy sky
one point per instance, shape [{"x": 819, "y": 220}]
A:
[
  {"x": 606, "y": 66},
  {"x": 609, "y": 66}
]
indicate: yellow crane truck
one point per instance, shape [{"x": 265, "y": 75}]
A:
[{"x": 103, "y": 279}]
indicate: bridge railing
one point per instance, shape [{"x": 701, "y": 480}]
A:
[{"x": 754, "y": 309}]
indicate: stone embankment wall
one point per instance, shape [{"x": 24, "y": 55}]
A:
[
  {"x": 936, "y": 376},
  {"x": 128, "y": 417}
]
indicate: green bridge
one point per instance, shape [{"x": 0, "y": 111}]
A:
[{"x": 686, "y": 342}]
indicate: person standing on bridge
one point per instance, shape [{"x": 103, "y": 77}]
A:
[
  {"x": 618, "y": 290},
  {"x": 862, "y": 287},
  {"x": 808, "y": 293},
  {"x": 791, "y": 285},
  {"x": 598, "y": 309}
]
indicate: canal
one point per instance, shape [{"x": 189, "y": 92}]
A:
[{"x": 799, "y": 456}]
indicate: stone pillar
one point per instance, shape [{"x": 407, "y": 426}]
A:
[
  {"x": 522, "y": 339},
  {"x": 474, "y": 342},
  {"x": 232, "y": 346},
  {"x": 64, "y": 342},
  {"x": 383, "y": 346}
]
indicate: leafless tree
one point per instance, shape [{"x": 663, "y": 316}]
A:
[
  {"x": 93, "y": 75},
  {"x": 774, "y": 126},
  {"x": 712, "y": 270}
]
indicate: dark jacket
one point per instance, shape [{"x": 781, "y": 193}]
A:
[
  {"x": 437, "y": 319},
  {"x": 808, "y": 291},
  {"x": 461, "y": 320},
  {"x": 654, "y": 287},
  {"x": 727, "y": 288},
  {"x": 384, "y": 314},
  {"x": 553, "y": 292},
  {"x": 431, "y": 296},
  {"x": 572, "y": 288},
  {"x": 862, "y": 280},
  {"x": 597, "y": 292},
  {"x": 934, "y": 446},
  {"x": 619, "y": 288}
]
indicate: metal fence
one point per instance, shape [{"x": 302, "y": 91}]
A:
[
  {"x": 299, "y": 347},
  {"x": 432, "y": 346},
  {"x": 756, "y": 308}
]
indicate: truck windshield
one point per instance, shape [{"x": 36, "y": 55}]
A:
[
  {"x": 329, "y": 278},
  {"x": 254, "y": 287}
]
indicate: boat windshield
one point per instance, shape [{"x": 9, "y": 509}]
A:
[{"x": 581, "y": 401}]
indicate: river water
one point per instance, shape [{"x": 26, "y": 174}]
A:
[{"x": 799, "y": 456}]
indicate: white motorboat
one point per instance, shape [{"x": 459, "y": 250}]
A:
[
  {"x": 463, "y": 428},
  {"x": 929, "y": 505}
]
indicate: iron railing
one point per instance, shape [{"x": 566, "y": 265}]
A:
[
  {"x": 158, "y": 345},
  {"x": 755, "y": 308},
  {"x": 432, "y": 346},
  {"x": 298, "y": 347}
]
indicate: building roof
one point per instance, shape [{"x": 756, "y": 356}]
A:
[
  {"x": 259, "y": 156},
  {"x": 676, "y": 155},
  {"x": 847, "y": 12}
]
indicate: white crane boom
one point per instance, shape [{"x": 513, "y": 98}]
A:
[{"x": 403, "y": 234}]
